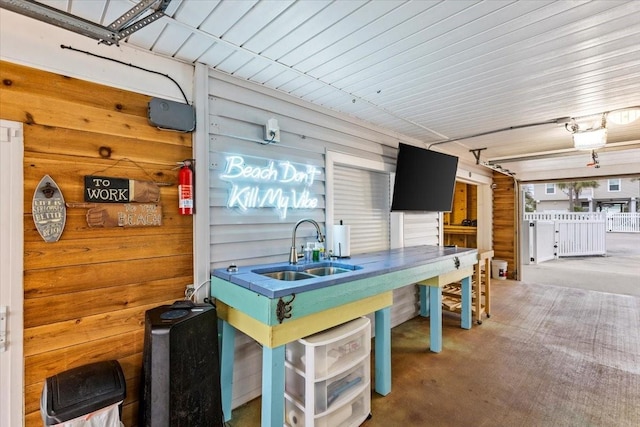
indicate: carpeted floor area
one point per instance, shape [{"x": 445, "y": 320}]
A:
[{"x": 548, "y": 356}]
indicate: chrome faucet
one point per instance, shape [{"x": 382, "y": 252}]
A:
[{"x": 293, "y": 255}]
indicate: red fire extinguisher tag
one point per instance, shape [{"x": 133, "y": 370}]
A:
[{"x": 186, "y": 196}]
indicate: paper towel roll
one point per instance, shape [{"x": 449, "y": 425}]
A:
[
  {"x": 341, "y": 415},
  {"x": 341, "y": 241},
  {"x": 295, "y": 418}
]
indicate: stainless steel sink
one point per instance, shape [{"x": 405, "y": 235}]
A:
[
  {"x": 288, "y": 275},
  {"x": 325, "y": 271},
  {"x": 301, "y": 272}
]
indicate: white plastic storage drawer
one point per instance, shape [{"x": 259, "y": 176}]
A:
[
  {"x": 352, "y": 413},
  {"x": 332, "y": 391},
  {"x": 332, "y": 350}
]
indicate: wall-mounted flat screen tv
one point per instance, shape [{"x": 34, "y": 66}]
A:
[{"x": 425, "y": 180}]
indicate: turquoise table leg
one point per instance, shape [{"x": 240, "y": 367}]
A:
[
  {"x": 424, "y": 301},
  {"x": 466, "y": 303},
  {"x": 383, "y": 351},
  {"x": 272, "y": 386},
  {"x": 227, "y": 350},
  {"x": 435, "y": 320}
]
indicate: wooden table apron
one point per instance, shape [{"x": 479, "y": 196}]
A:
[{"x": 317, "y": 310}]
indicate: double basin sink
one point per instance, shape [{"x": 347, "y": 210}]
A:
[{"x": 306, "y": 271}]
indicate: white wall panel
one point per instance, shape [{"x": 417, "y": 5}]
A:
[
  {"x": 420, "y": 228},
  {"x": 237, "y": 114}
]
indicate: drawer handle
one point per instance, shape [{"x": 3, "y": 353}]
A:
[{"x": 456, "y": 262}]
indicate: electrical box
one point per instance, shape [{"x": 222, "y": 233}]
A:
[{"x": 166, "y": 114}]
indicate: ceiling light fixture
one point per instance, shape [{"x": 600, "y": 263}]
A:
[
  {"x": 575, "y": 125},
  {"x": 588, "y": 135},
  {"x": 590, "y": 139}
]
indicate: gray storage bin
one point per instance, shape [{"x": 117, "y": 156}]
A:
[{"x": 82, "y": 391}]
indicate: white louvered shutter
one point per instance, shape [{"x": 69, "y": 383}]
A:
[{"x": 361, "y": 200}]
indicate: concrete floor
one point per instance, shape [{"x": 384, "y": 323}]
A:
[{"x": 549, "y": 356}]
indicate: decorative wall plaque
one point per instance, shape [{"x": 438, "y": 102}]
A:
[
  {"x": 49, "y": 211},
  {"x": 121, "y": 214},
  {"x": 104, "y": 189}
]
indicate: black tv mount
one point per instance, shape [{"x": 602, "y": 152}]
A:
[{"x": 476, "y": 154}]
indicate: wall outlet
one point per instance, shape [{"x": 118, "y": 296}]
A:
[
  {"x": 272, "y": 131},
  {"x": 189, "y": 291}
]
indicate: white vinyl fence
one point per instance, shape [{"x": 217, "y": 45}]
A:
[
  {"x": 565, "y": 216},
  {"x": 566, "y": 233},
  {"x": 578, "y": 238},
  {"x": 539, "y": 243},
  {"x": 623, "y": 222}
]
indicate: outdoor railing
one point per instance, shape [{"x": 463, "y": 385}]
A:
[
  {"x": 616, "y": 222},
  {"x": 565, "y": 216},
  {"x": 573, "y": 233},
  {"x": 568, "y": 233},
  {"x": 623, "y": 222}
]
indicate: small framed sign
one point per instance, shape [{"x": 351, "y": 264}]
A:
[
  {"x": 104, "y": 189},
  {"x": 121, "y": 214}
]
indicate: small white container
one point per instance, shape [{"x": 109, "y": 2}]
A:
[{"x": 499, "y": 269}]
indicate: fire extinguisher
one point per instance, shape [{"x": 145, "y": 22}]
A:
[{"x": 185, "y": 188}]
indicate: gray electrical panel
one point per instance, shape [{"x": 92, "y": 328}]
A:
[{"x": 166, "y": 114}]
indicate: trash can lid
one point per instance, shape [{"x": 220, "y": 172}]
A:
[{"x": 81, "y": 391}]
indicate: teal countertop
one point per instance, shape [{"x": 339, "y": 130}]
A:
[{"x": 360, "y": 266}]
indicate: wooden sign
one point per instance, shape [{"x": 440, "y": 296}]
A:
[
  {"x": 104, "y": 189},
  {"x": 49, "y": 211},
  {"x": 121, "y": 214}
]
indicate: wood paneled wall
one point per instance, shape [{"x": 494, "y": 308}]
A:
[
  {"x": 86, "y": 295},
  {"x": 465, "y": 204},
  {"x": 505, "y": 223}
]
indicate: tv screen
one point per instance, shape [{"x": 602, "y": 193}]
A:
[{"x": 425, "y": 180}]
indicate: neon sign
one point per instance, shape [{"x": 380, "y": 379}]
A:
[{"x": 280, "y": 185}]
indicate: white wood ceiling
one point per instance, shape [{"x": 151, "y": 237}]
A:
[{"x": 431, "y": 70}]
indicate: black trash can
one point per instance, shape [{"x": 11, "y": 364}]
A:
[{"x": 88, "y": 396}]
